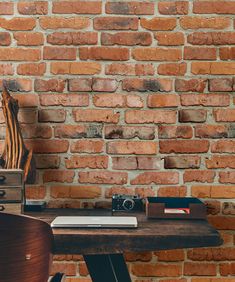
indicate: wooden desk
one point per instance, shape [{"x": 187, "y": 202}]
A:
[{"x": 103, "y": 248}]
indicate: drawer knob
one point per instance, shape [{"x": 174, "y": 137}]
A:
[
  {"x": 2, "y": 208},
  {"x": 2, "y": 193},
  {"x": 2, "y": 179}
]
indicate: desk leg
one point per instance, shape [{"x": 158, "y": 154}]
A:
[{"x": 107, "y": 268}]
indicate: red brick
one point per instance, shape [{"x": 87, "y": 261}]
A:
[
  {"x": 183, "y": 146},
  {"x": 103, "y": 177},
  {"x": 80, "y": 7},
  {"x": 117, "y": 100},
  {"x": 31, "y": 69},
  {"x": 150, "y": 116},
  {"x": 156, "y": 178},
  {"x": 227, "y": 269},
  {"x": 104, "y": 84},
  {"x": 213, "y": 67},
  {"x": 201, "y": 22},
  {"x": 75, "y": 68},
  {"x": 29, "y": 38},
  {"x": 6, "y": 8},
  {"x": 18, "y": 84},
  {"x": 67, "y": 100},
  {"x": 169, "y": 39},
  {"x": 5, "y": 39},
  {"x": 126, "y": 38},
  {"x": 57, "y": 85},
  {"x": 199, "y": 176},
  {"x": 156, "y": 54},
  {"x": 47, "y": 161},
  {"x": 104, "y": 53},
  {"x": 170, "y": 255},
  {"x": 192, "y": 115},
  {"x": 58, "y": 176},
  {"x": 59, "y": 53},
  {"x": 123, "y": 163},
  {"x": 115, "y": 23},
  {"x": 119, "y": 190},
  {"x": 75, "y": 191},
  {"x": 129, "y": 8},
  {"x": 33, "y": 8},
  {"x": 211, "y": 100},
  {"x": 163, "y": 100},
  {"x": 132, "y": 147},
  {"x": 221, "y": 162},
  {"x": 223, "y": 146},
  {"x": 159, "y": 270},
  {"x": 211, "y": 38},
  {"x": 6, "y": 69},
  {"x": 221, "y": 84},
  {"x": 227, "y": 53},
  {"x": 18, "y": 23},
  {"x": 72, "y": 38},
  {"x": 172, "y": 69},
  {"x": 202, "y": 191},
  {"x": 19, "y": 54},
  {"x": 222, "y": 222},
  {"x": 129, "y": 132},
  {"x": 172, "y": 191},
  {"x": 89, "y": 115},
  {"x": 142, "y": 85},
  {"x": 28, "y": 116},
  {"x": 213, "y": 7},
  {"x": 221, "y": 115},
  {"x": 27, "y": 100},
  {"x": 129, "y": 69},
  {"x": 158, "y": 23},
  {"x": 51, "y": 115},
  {"x": 182, "y": 162},
  {"x": 35, "y": 192},
  {"x": 194, "y": 85},
  {"x": 173, "y": 131},
  {"x": 204, "y": 269},
  {"x": 48, "y": 146},
  {"x": 60, "y": 22},
  {"x": 211, "y": 131},
  {"x": 80, "y": 84},
  {"x": 87, "y": 146},
  {"x": 140, "y": 256},
  {"x": 78, "y": 131},
  {"x": 36, "y": 131},
  {"x": 87, "y": 162},
  {"x": 173, "y": 8},
  {"x": 199, "y": 53}
]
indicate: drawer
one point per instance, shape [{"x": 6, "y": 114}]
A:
[
  {"x": 11, "y": 208},
  {"x": 10, "y": 194},
  {"x": 11, "y": 177}
]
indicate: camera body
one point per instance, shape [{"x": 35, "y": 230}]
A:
[{"x": 127, "y": 203}]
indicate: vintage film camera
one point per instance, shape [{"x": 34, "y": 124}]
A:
[{"x": 127, "y": 203}]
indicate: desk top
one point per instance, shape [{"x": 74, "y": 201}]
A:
[{"x": 151, "y": 235}]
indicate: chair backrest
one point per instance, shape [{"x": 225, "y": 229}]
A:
[{"x": 25, "y": 249}]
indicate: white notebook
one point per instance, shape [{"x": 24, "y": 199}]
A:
[{"x": 95, "y": 221}]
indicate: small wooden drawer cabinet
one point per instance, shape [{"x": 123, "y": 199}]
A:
[{"x": 11, "y": 190}]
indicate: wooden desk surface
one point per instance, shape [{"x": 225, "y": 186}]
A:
[{"x": 151, "y": 235}]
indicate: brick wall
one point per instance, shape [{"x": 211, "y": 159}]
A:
[{"x": 129, "y": 97}]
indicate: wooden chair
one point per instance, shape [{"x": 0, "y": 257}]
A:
[{"x": 25, "y": 249}]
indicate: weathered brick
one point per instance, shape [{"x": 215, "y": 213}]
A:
[
  {"x": 33, "y": 8},
  {"x": 75, "y": 191},
  {"x": 227, "y": 53},
  {"x": 199, "y": 53},
  {"x": 213, "y": 68},
  {"x": 78, "y": 131},
  {"x": 18, "y": 23},
  {"x": 58, "y": 176},
  {"x": 28, "y": 116},
  {"x": 222, "y": 222},
  {"x": 129, "y": 132},
  {"x": 6, "y": 8},
  {"x": 80, "y": 84},
  {"x": 60, "y": 22},
  {"x": 35, "y": 192},
  {"x": 194, "y": 85},
  {"x": 104, "y": 53},
  {"x": 142, "y": 85},
  {"x": 29, "y": 38},
  {"x": 87, "y": 162},
  {"x": 104, "y": 84},
  {"x": 129, "y": 69},
  {"x": 223, "y": 146},
  {"x": 6, "y": 69},
  {"x": 129, "y": 8},
  {"x": 57, "y": 85},
  {"x": 172, "y": 69},
  {"x": 67, "y": 100},
  {"x": 156, "y": 54},
  {"x": 182, "y": 162},
  {"x": 158, "y": 23},
  {"x": 75, "y": 67},
  {"x": 192, "y": 115},
  {"x": 150, "y": 116},
  {"x": 26, "y": 100},
  {"x": 132, "y": 147},
  {"x": 183, "y": 146},
  {"x": 5, "y": 39},
  {"x": 87, "y": 146},
  {"x": 151, "y": 269},
  {"x": 117, "y": 100},
  {"x": 213, "y": 7},
  {"x": 211, "y": 131},
  {"x": 201, "y": 22},
  {"x": 173, "y": 131},
  {"x": 80, "y": 7},
  {"x": 199, "y": 176},
  {"x": 221, "y": 162},
  {"x": 115, "y": 23},
  {"x": 19, "y": 54},
  {"x": 173, "y": 8},
  {"x": 221, "y": 84},
  {"x": 31, "y": 69},
  {"x": 140, "y": 256},
  {"x": 205, "y": 269},
  {"x": 102, "y": 177},
  {"x": 162, "y": 100},
  {"x": 211, "y": 38},
  {"x": 156, "y": 178},
  {"x": 47, "y": 161},
  {"x": 89, "y": 115},
  {"x": 72, "y": 38},
  {"x": 227, "y": 269},
  {"x": 172, "y": 191},
  {"x": 59, "y": 53},
  {"x": 133, "y": 163},
  {"x": 211, "y": 100},
  {"x": 169, "y": 39},
  {"x": 36, "y": 131},
  {"x": 51, "y": 115},
  {"x": 48, "y": 146},
  {"x": 170, "y": 255},
  {"x": 222, "y": 115},
  {"x": 18, "y": 84},
  {"x": 126, "y": 38}
]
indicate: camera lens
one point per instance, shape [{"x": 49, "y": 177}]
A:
[{"x": 128, "y": 204}]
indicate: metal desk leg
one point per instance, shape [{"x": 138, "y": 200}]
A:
[{"x": 107, "y": 268}]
